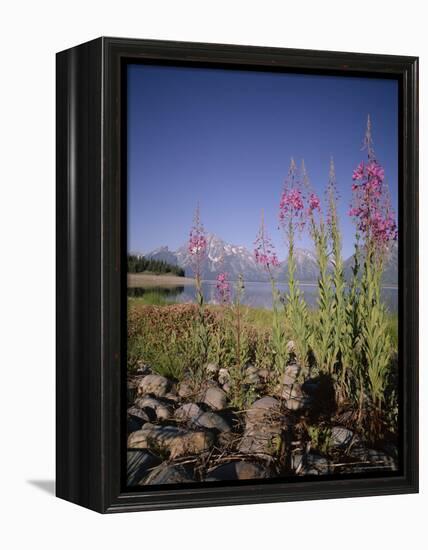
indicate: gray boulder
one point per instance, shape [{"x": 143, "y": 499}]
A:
[
  {"x": 215, "y": 398},
  {"x": 238, "y": 470},
  {"x": 262, "y": 409},
  {"x": 139, "y": 464},
  {"x": 212, "y": 420},
  {"x": 340, "y": 436},
  {"x": 264, "y": 429},
  {"x": 252, "y": 375},
  {"x": 188, "y": 411},
  {"x": 211, "y": 369},
  {"x": 294, "y": 398},
  {"x": 167, "y": 474},
  {"x": 310, "y": 464},
  {"x": 381, "y": 460},
  {"x": 291, "y": 374},
  {"x": 133, "y": 423},
  {"x": 161, "y": 410},
  {"x": 171, "y": 440},
  {"x": 136, "y": 418},
  {"x": 223, "y": 376},
  {"x": 185, "y": 389},
  {"x": 154, "y": 384}
]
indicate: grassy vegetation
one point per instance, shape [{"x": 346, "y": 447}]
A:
[
  {"x": 259, "y": 319},
  {"x": 153, "y": 280},
  {"x": 167, "y": 337},
  {"x": 150, "y": 298}
]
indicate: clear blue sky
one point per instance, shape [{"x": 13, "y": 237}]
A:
[{"x": 224, "y": 139}]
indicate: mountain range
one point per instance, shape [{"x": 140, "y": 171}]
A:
[{"x": 235, "y": 260}]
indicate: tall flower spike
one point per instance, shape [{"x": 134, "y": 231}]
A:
[
  {"x": 314, "y": 202},
  {"x": 264, "y": 250},
  {"x": 291, "y": 206},
  {"x": 332, "y": 184},
  {"x": 223, "y": 288},
  {"x": 332, "y": 194},
  {"x": 371, "y": 204},
  {"x": 197, "y": 245},
  {"x": 368, "y": 142}
]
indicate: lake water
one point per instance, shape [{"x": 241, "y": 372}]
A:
[{"x": 255, "y": 294}]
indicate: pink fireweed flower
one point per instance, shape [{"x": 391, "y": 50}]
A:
[
  {"x": 223, "y": 288},
  {"x": 291, "y": 204},
  {"x": 375, "y": 172},
  {"x": 313, "y": 211},
  {"x": 264, "y": 250},
  {"x": 291, "y": 200},
  {"x": 358, "y": 172},
  {"x": 314, "y": 202},
  {"x": 197, "y": 244},
  {"x": 371, "y": 206}
]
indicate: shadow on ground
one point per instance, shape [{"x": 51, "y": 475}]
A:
[{"x": 46, "y": 485}]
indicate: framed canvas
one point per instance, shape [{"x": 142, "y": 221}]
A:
[{"x": 237, "y": 275}]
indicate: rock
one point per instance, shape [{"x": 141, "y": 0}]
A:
[
  {"x": 155, "y": 384},
  {"x": 212, "y": 420},
  {"x": 380, "y": 460},
  {"x": 138, "y": 413},
  {"x": 340, "y": 436},
  {"x": 363, "y": 460},
  {"x": 310, "y": 464},
  {"x": 291, "y": 346},
  {"x": 252, "y": 375},
  {"x": 296, "y": 462},
  {"x": 143, "y": 368},
  {"x": 192, "y": 443},
  {"x": 262, "y": 409},
  {"x": 292, "y": 392},
  {"x": 133, "y": 424},
  {"x": 262, "y": 440},
  {"x": 192, "y": 413},
  {"x": 131, "y": 394},
  {"x": 138, "y": 465},
  {"x": 358, "y": 452},
  {"x": 251, "y": 369},
  {"x": 211, "y": 369},
  {"x": 226, "y": 387},
  {"x": 264, "y": 374},
  {"x": 264, "y": 426},
  {"x": 133, "y": 381},
  {"x": 185, "y": 389},
  {"x": 291, "y": 374},
  {"x": 296, "y": 404},
  {"x": 238, "y": 470},
  {"x": 252, "y": 379},
  {"x": 132, "y": 384},
  {"x": 294, "y": 398},
  {"x": 171, "y": 439},
  {"x": 223, "y": 376},
  {"x": 215, "y": 398},
  {"x": 162, "y": 411},
  {"x": 226, "y": 440},
  {"x": 169, "y": 474},
  {"x": 189, "y": 411},
  {"x": 172, "y": 397}
]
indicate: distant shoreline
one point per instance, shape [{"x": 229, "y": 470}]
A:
[{"x": 151, "y": 280}]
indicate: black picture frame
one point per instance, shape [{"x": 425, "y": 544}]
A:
[{"x": 91, "y": 218}]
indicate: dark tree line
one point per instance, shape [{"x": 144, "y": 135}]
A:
[{"x": 139, "y": 264}]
